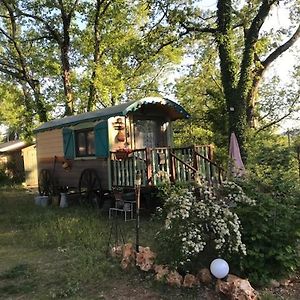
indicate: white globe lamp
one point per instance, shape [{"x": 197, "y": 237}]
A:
[{"x": 219, "y": 268}]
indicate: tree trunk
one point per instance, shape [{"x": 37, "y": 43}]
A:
[
  {"x": 93, "y": 91},
  {"x": 66, "y": 72},
  {"x": 65, "y": 61},
  {"x": 39, "y": 104},
  {"x": 236, "y": 105},
  {"x": 239, "y": 95},
  {"x": 237, "y": 120},
  {"x": 28, "y": 115}
]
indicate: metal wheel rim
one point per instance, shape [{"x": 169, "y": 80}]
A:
[{"x": 90, "y": 189}]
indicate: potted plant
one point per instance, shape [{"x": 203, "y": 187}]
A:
[{"x": 122, "y": 153}]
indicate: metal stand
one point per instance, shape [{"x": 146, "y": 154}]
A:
[
  {"x": 116, "y": 236},
  {"x": 128, "y": 208}
]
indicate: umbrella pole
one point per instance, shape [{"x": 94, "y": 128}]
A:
[{"x": 137, "y": 211}]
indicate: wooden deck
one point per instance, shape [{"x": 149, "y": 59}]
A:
[{"x": 165, "y": 164}]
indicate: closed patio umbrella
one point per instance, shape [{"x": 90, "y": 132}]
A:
[{"x": 236, "y": 166}]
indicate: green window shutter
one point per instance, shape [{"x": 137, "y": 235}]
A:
[
  {"x": 101, "y": 139},
  {"x": 69, "y": 143}
]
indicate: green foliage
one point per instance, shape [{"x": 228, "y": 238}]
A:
[
  {"x": 271, "y": 230},
  {"x": 70, "y": 289},
  {"x": 13, "y": 112},
  {"x": 271, "y": 233},
  {"x": 273, "y": 161},
  {"x": 48, "y": 39},
  {"x": 199, "y": 225},
  {"x": 74, "y": 240},
  {"x": 198, "y": 90}
]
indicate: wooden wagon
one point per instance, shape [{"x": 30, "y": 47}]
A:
[{"x": 100, "y": 151}]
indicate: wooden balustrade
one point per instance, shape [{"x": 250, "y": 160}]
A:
[
  {"x": 165, "y": 164},
  {"x": 123, "y": 171}
]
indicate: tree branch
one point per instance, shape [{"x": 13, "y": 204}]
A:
[
  {"x": 52, "y": 31},
  {"x": 281, "y": 49},
  {"x": 73, "y": 7},
  {"x": 194, "y": 28},
  {"x": 11, "y": 73},
  {"x": 105, "y": 8},
  {"x": 49, "y": 37},
  {"x": 273, "y": 122},
  {"x": 11, "y": 17},
  {"x": 281, "y": 118},
  {"x": 250, "y": 40},
  {"x": 6, "y": 34},
  {"x": 4, "y": 17}
]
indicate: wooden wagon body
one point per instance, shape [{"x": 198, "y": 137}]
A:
[{"x": 106, "y": 149}]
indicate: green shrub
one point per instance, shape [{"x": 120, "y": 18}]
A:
[
  {"x": 271, "y": 229},
  {"x": 199, "y": 225},
  {"x": 270, "y": 232}
]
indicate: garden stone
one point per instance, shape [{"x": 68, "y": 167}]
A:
[
  {"x": 145, "y": 258},
  {"x": 190, "y": 281},
  {"x": 236, "y": 288},
  {"x": 204, "y": 276},
  {"x": 161, "y": 271},
  {"x": 285, "y": 282},
  {"x": 223, "y": 287},
  {"x": 174, "y": 279},
  {"x": 128, "y": 256},
  {"x": 242, "y": 290}
]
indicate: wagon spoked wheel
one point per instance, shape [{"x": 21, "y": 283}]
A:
[
  {"x": 90, "y": 188},
  {"x": 45, "y": 183}
]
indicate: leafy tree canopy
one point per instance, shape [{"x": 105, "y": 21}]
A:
[{"x": 70, "y": 56}]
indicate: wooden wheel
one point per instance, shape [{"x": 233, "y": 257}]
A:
[
  {"x": 90, "y": 188},
  {"x": 45, "y": 183}
]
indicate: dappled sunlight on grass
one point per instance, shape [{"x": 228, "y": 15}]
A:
[
  {"x": 53, "y": 253},
  {"x": 57, "y": 252}
]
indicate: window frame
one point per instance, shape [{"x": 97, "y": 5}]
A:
[{"x": 87, "y": 144}]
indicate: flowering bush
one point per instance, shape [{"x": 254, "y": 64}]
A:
[{"x": 199, "y": 224}]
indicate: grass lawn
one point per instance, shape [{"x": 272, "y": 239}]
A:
[{"x": 52, "y": 253}]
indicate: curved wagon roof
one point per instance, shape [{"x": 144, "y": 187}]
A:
[{"x": 172, "y": 109}]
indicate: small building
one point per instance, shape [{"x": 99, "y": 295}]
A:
[
  {"x": 30, "y": 166},
  {"x": 11, "y": 159}
]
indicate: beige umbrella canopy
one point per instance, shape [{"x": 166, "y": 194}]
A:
[{"x": 236, "y": 166}]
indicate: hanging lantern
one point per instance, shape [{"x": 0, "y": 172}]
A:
[{"x": 121, "y": 136}]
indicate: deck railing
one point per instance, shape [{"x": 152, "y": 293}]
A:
[
  {"x": 123, "y": 171},
  {"x": 157, "y": 165}
]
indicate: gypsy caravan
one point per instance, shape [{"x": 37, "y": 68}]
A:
[{"x": 98, "y": 152}]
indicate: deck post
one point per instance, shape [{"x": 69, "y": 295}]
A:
[
  {"x": 195, "y": 163},
  {"x": 109, "y": 171},
  {"x": 172, "y": 166}
]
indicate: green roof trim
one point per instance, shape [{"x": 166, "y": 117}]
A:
[{"x": 174, "y": 109}]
